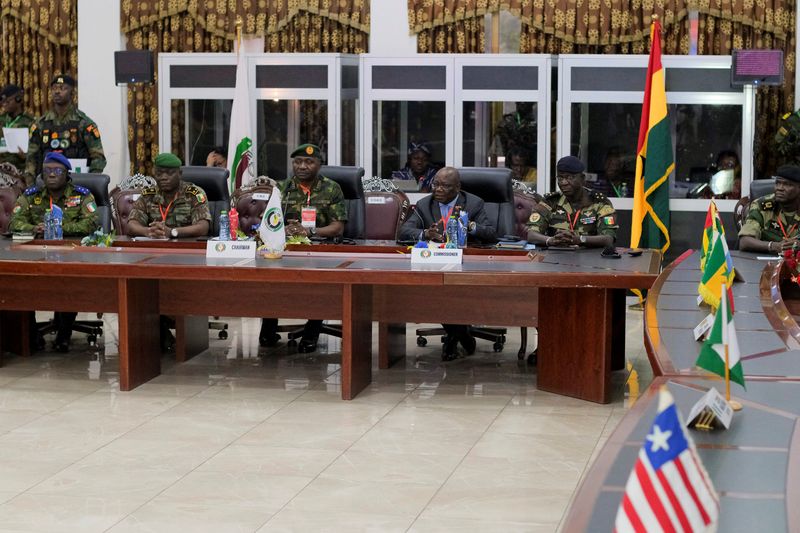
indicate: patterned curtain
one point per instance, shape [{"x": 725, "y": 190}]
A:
[
  {"x": 38, "y": 38},
  {"x": 450, "y": 26},
  {"x": 309, "y": 26},
  {"x": 725, "y": 25}
]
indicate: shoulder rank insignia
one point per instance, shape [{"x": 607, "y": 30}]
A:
[
  {"x": 197, "y": 192},
  {"x": 150, "y": 190},
  {"x": 598, "y": 196},
  {"x": 31, "y": 191},
  {"x": 80, "y": 189},
  {"x": 767, "y": 204}
]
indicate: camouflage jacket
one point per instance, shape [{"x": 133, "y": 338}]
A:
[
  {"x": 326, "y": 197},
  {"x": 765, "y": 218},
  {"x": 80, "y": 210},
  {"x": 599, "y": 218},
  {"x": 22, "y": 120},
  {"x": 189, "y": 206},
  {"x": 74, "y": 134}
]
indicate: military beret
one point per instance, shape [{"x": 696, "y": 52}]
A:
[
  {"x": 570, "y": 164},
  {"x": 65, "y": 79},
  {"x": 307, "y": 150},
  {"x": 57, "y": 157},
  {"x": 167, "y": 160},
  {"x": 789, "y": 172},
  {"x": 10, "y": 90},
  {"x": 419, "y": 147}
]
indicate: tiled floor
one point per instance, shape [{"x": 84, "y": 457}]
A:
[{"x": 263, "y": 443}]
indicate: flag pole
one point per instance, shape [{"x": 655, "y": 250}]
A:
[{"x": 239, "y": 24}]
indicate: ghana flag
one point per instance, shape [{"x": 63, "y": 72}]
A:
[{"x": 654, "y": 162}]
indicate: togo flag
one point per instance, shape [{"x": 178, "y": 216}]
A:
[
  {"x": 712, "y": 355},
  {"x": 271, "y": 229},
  {"x": 654, "y": 162},
  {"x": 240, "y": 142}
]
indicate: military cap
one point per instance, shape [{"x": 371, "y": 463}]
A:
[
  {"x": 167, "y": 160},
  {"x": 10, "y": 90},
  {"x": 64, "y": 79},
  {"x": 570, "y": 164},
  {"x": 418, "y": 147},
  {"x": 789, "y": 172},
  {"x": 57, "y": 157},
  {"x": 308, "y": 150}
]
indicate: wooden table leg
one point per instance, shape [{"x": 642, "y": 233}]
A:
[
  {"x": 191, "y": 336},
  {"x": 139, "y": 352},
  {"x": 619, "y": 312},
  {"x": 575, "y": 329},
  {"x": 391, "y": 344},
  {"x": 16, "y": 331},
  {"x": 356, "y": 339}
]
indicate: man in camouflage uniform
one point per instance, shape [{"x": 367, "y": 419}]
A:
[
  {"x": 773, "y": 220},
  {"x": 11, "y": 101},
  {"x": 80, "y": 219},
  {"x": 64, "y": 129},
  {"x": 575, "y": 216},
  {"x": 313, "y": 205},
  {"x": 173, "y": 209}
]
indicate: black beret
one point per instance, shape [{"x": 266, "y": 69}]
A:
[
  {"x": 789, "y": 172},
  {"x": 10, "y": 90},
  {"x": 570, "y": 165},
  {"x": 65, "y": 79}
]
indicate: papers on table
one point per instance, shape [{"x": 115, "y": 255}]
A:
[{"x": 16, "y": 139}]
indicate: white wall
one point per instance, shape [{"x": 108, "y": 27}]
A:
[
  {"x": 388, "y": 34},
  {"x": 99, "y": 36}
]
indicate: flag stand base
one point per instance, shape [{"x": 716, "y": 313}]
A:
[{"x": 736, "y": 406}]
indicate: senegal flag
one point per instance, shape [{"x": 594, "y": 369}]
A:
[
  {"x": 723, "y": 332},
  {"x": 654, "y": 162}
]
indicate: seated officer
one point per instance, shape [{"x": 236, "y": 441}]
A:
[
  {"x": 428, "y": 223},
  {"x": 575, "y": 216},
  {"x": 773, "y": 220},
  {"x": 173, "y": 209},
  {"x": 79, "y": 220},
  {"x": 313, "y": 205}
]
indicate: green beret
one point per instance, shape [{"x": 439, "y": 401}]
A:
[
  {"x": 167, "y": 161},
  {"x": 308, "y": 150}
]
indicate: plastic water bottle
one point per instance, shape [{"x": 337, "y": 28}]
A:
[
  {"x": 624, "y": 190},
  {"x": 48, "y": 225},
  {"x": 224, "y": 226},
  {"x": 463, "y": 226},
  {"x": 57, "y": 217},
  {"x": 451, "y": 233}
]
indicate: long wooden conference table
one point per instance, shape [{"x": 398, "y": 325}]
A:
[
  {"x": 575, "y": 298},
  {"x": 755, "y": 465}
]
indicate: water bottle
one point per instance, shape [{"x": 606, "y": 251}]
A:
[
  {"x": 451, "y": 232},
  {"x": 234, "y": 221},
  {"x": 57, "y": 218},
  {"x": 48, "y": 225},
  {"x": 624, "y": 190},
  {"x": 463, "y": 226},
  {"x": 224, "y": 226}
]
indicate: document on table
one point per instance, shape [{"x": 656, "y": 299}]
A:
[{"x": 16, "y": 139}]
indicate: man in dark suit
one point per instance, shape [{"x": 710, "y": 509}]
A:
[{"x": 428, "y": 223}]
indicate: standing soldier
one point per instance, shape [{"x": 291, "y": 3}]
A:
[
  {"x": 11, "y": 103},
  {"x": 65, "y": 129}
]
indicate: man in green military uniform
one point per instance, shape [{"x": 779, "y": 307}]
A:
[
  {"x": 313, "y": 205},
  {"x": 64, "y": 129},
  {"x": 173, "y": 209},
  {"x": 575, "y": 216},
  {"x": 11, "y": 102},
  {"x": 79, "y": 219},
  {"x": 773, "y": 220}
]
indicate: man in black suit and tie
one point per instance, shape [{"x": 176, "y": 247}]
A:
[{"x": 428, "y": 223}]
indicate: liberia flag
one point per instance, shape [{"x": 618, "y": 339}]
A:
[{"x": 668, "y": 489}]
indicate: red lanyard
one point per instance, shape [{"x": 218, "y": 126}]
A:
[
  {"x": 791, "y": 230},
  {"x": 306, "y": 190},
  {"x": 164, "y": 212},
  {"x": 574, "y": 221},
  {"x": 445, "y": 219}
]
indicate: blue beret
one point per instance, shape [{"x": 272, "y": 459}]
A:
[
  {"x": 789, "y": 172},
  {"x": 570, "y": 165},
  {"x": 57, "y": 157}
]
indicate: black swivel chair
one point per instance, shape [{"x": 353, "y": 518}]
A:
[
  {"x": 98, "y": 186},
  {"x": 494, "y": 187}
]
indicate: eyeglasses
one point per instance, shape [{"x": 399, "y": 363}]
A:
[{"x": 56, "y": 171}]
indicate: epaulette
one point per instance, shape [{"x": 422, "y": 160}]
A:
[
  {"x": 150, "y": 190},
  {"x": 766, "y": 202},
  {"x": 30, "y": 191},
  {"x": 194, "y": 189},
  {"x": 597, "y": 196},
  {"x": 551, "y": 195},
  {"x": 80, "y": 189}
]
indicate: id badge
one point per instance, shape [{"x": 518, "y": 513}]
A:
[{"x": 308, "y": 217}]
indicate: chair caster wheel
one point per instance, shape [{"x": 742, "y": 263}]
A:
[
  {"x": 92, "y": 340},
  {"x": 422, "y": 341},
  {"x": 291, "y": 343},
  {"x": 223, "y": 334},
  {"x": 533, "y": 358},
  {"x": 498, "y": 347}
]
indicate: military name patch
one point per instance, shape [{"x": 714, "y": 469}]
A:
[
  {"x": 588, "y": 220},
  {"x": 73, "y": 201}
]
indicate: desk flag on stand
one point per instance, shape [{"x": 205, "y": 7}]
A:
[
  {"x": 240, "y": 142},
  {"x": 713, "y": 225},
  {"x": 723, "y": 334},
  {"x": 271, "y": 230},
  {"x": 668, "y": 489},
  {"x": 718, "y": 269},
  {"x": 654, "y": 162}
]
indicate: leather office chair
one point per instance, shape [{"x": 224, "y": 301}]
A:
[
  {"x": 123, "y": 197},
  {"x": 387, "y": 207},
  {"x": 494, "y": 187},
  {"x": 349, "y": 179},
  {"x": 758, "y": 188},
  {"x": 11, "y": 186},
  {"x": 214, "y": 182},
  {"x": 526, "y": 200}
]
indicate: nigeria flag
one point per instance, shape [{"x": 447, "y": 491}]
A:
[{"x": 712, "y": 355}]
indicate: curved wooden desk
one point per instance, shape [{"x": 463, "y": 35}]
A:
[{"x": 755, "y": 466}]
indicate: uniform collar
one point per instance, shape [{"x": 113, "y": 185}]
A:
[{"x": 51, "y": 114}]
